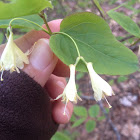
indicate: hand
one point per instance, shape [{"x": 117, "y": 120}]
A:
[{"x": 46, "y": 69}]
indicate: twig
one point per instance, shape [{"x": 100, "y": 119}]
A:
[
  {"x": 126, "y": 38},
  {"x": 110, "y": 121},
  {"x": 98, "y": 9},
  {"x": 137, "y": 41},
  {"x": 106, "y": 115},
  {"x": 42, "y": 15},
  {"x": 87, "y": 97}
]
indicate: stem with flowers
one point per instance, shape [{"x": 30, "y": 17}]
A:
[
  {"x": 10, "y": 24},
  {"x": 42, "y": 15}
]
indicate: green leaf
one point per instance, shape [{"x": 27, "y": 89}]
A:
[
  {"x": 1, "y": 37},
  {"x": 90, "y": 125},
  {"x": 122, "y": 79},
  {"x": 18, "y": 8},
  {"x": 94, "y": 111},
  {"x": 80, "y": 111},
  {"x": 101, "y": 118},
  {"x": 78, "y": 122},
  {"x": 95, "y": 43},
  {"x": 123, "y": 4},
  {"x": 73, "y": 118},
  {"x": 111, "y": 82},
  {"x": 60, "y": 136},
  {"x": 22, "y": 23},
  {"x": 107, "y": 110},
  {"x": 79, "y": 75},
  {"x": 16, "y": 36},
  {"x": 126, "y": 22}
]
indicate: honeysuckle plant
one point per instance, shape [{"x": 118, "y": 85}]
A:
[
  {"x": 12, "y": 58},
  {"x": 84, "y": 43}
]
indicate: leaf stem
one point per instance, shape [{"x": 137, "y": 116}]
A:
[
  {"x": 72, "y": 41},
  {"x": 118, "y": 7},
  {"x": 80, "y": 58},
  {"x": 77, "y": 61},
  {"x": 42, "y": 15},
  {"x": 30, "y": 22}
]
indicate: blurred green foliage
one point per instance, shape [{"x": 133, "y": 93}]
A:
[
  {"x": 88, "y": 117},
  {"x": 1, "y": 37},
  {"x": 60, "y": 136},
  {"x": 122, "y": 79}
]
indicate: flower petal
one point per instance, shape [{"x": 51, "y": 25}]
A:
[
  {"x": 12, "y": 57},
  {"x": 70, "y": 90},
  {"x": 99, "y": 85}
]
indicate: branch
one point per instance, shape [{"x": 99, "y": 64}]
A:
[
  {"x": 135, "y": 43},
  {"x": 126, "y": 38},
  {"x": 106, "y": 115},
  {"x": 109, "y": 121},
  {"x": 87, "y": 97},
  {"x": 98, "y": 9},
  {"x": 42, "y": 15}
]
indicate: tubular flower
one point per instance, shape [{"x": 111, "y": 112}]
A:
[
  {"x": 70, "y": 91},
  {"x": 12, "y": 57},
  {"x": 100, "y": 86}
]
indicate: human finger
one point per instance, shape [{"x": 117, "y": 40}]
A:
[
  {"x": 55, "y": 86},
  {"x": 58, "y": 108},
  {"x": 42, "y": 62}
]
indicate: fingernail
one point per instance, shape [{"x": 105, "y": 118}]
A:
[{"x": 42, "y": 55}]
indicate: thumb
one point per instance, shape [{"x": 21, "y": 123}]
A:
[{"x": 42, "y": 62}]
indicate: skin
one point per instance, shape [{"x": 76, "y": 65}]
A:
[{"x": 52, "y": 77}]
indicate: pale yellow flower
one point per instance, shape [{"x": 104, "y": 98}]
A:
[
  {"x": 70, "y": 91},
  {"x": 12, "y": 57},
  {"x": 100, "y": 86}
]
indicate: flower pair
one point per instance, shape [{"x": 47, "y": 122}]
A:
[
  {"x": 101, "y": 87},
  {"x": 12, "y": 57}
]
